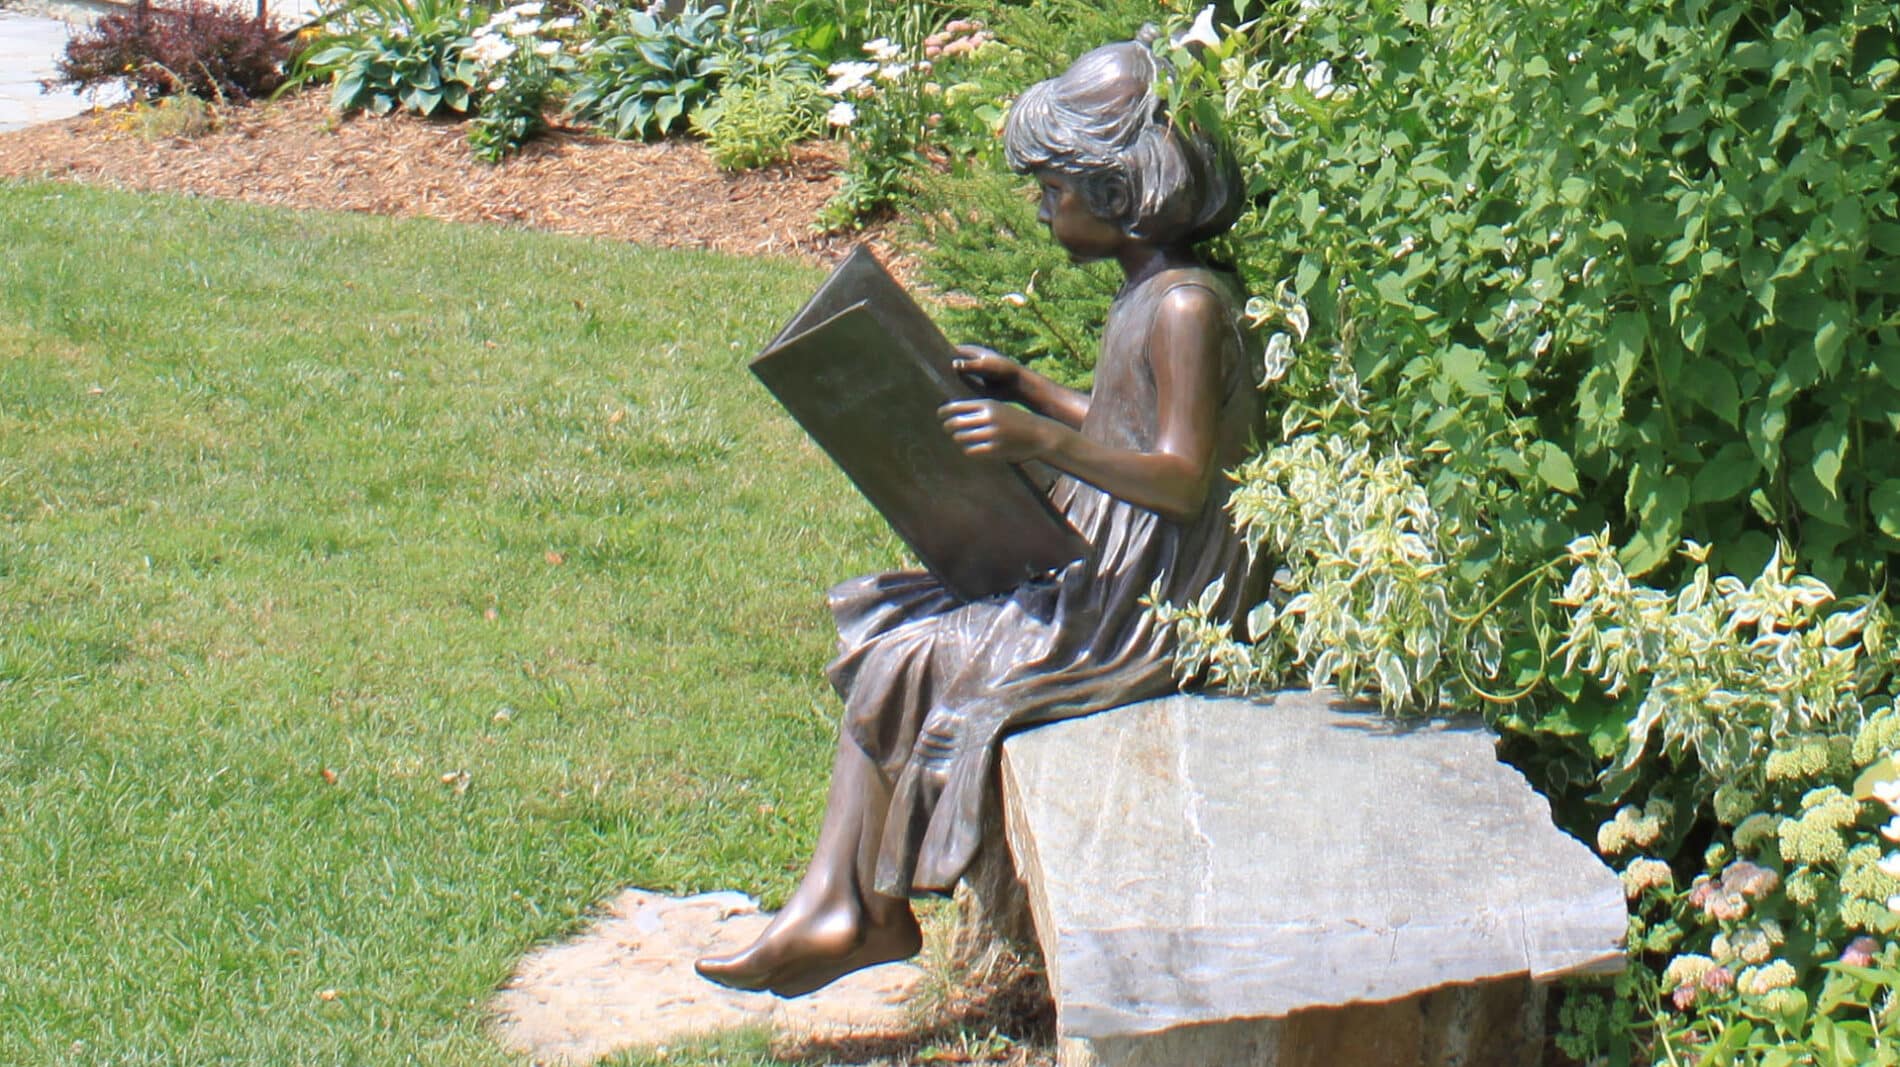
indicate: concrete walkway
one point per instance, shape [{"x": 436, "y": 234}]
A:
[{"x": 29, "y": 46}]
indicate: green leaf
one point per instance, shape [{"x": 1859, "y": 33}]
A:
[
  {"x": 1599, "y": 409},
  {"x": 1463, "y": 367},
  {"x": 1830, "y": 337},
  {"x": 1884, "y": 501},
  {"x": 1307, "y": 274},
  {"x": 1830, "y": 450},
  {"x": 1624, "y": 346},
  {"x": 1713, "y": 387},
  {"x": 1657, "y": 501},
  {"x": 347, "y": 93},
  {"x": 1391, "y": 288},
  {"x": 330, "y": 56},
  {"x": 667, "y": 111},
  {"x": 1765, "y": 432},
  {"x": 1725, "y": 475},
  {"x": 1553, "y": 466}
]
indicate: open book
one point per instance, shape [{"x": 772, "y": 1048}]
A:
[{"x": 863, "y": 370}]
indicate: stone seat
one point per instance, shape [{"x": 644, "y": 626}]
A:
[{"x": 1296, "y": 882}]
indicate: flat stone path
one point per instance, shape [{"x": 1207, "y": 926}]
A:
[
  {"x": 29, "y": 46},
  {"x": 628, "y": 981}
]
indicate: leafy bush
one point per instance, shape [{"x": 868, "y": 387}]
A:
[
  {"x": 1596, "y": 261},
  {"x": 905, "y": 110},
  {"x": 647, "y": 76},
  {"x": 523, "y": 61},
  {"x": 379, "y": 55},
  {"x": 1550, "y": 294},
  {"x": 196, "y": 47},
  {"x": 754, "y": 121},
  {"x": 1005, "y": 283}
]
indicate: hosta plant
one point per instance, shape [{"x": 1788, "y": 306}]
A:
[
  {"x": 647, "y": 75},
  {"x": 379, "y": 55}
]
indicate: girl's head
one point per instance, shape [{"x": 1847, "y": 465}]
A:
[{"x": 1101, "y": 126}]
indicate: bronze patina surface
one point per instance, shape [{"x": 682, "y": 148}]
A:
[{"x": 932, "y": 680}]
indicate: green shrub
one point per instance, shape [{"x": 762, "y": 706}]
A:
[
  {"x": 379, "y": 55},
  {"x": 647, "y": 76},
  {"x": 524, "y": 62},
  {"x": 1005, "y": 283},
  {"x": 754, "y": 121},
  {"x": 1548, "y": 294}
]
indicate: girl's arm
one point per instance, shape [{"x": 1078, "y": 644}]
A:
[
  {"x": 1002, "y": 377},
  {"x": 1173, "y": 478}
]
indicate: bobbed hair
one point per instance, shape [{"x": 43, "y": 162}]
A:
[{"x": 1101, "y": 124}]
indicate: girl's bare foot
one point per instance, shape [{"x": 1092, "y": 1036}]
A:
[{"x": 806, "y": 949}]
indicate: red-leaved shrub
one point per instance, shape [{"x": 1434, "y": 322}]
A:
[{"x": 193, "y": 46}]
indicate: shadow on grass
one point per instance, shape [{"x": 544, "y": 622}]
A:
[{"x": 1010, "y": 1022}]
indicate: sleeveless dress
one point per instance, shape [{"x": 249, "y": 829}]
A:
[{"x": 1076, "y": 642}]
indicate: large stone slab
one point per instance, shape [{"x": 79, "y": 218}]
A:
[{"x": 1195, "y": 861}]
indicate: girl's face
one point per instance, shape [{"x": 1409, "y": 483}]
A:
[{"x": 1084, "y": 236}]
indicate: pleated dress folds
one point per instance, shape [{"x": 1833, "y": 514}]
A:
[{"x": 1076, "y": 642}]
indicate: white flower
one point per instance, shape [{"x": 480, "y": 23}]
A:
[
  {"x": 1319, "y": 80},
  {"x": 523, "y": 29},
  {"x": 528, "y": 10},
  {"x": 489, "y": 50},
  {"x": 1891, "y": 831},
  {"x": 841, "y": 114},
  {"x": 1890, "y": 865},
  {"x": 498, "y": 85},
  {"x": 1888, "y": 793},
  {"x": 547, "y": 48},
  {"x": 848, "y": 76},
  {"x": 1202, "y": 32},
  {"x": 566, "y": 23},
  {"x": 893, "y": 72},
  {"x": 882, "y": 49}
]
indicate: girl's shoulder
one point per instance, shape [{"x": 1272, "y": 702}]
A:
[{"x": 1223, "y": 284}]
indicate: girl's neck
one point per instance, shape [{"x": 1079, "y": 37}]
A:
[{"x": 1141, "y": 261}]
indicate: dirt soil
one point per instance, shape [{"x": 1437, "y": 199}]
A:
[{"x": 295, "y": 153}]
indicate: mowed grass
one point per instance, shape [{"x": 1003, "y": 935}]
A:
[{"x": 301, "y": 515}]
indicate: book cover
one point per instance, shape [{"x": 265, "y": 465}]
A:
[{"x": 863, "y": 370}]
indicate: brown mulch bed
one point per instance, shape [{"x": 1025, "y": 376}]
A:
[{"x": 295, "y": 153}]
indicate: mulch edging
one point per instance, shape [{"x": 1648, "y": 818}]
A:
[{"x": 296, "y": 153}]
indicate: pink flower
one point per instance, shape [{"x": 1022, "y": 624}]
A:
[
  {"x": 1750, "y": 880},
  {"x": 1684, "y": 997},
  {"x": 1726, "y": 907},
  {"x": 1718, "y": 980},
  {"x": 1860, "y": 952}
]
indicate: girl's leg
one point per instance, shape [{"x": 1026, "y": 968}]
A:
[{"x": 834, "y": 923}]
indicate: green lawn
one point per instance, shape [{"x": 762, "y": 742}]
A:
[{"x": 300, "y": 514}]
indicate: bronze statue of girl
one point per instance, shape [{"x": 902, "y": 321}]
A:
[{"x": 931, "y": 683}]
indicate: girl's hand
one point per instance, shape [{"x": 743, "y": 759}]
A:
[
  {"x": 988, "y": 372},
  {"x": 995, "y": 430}
]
